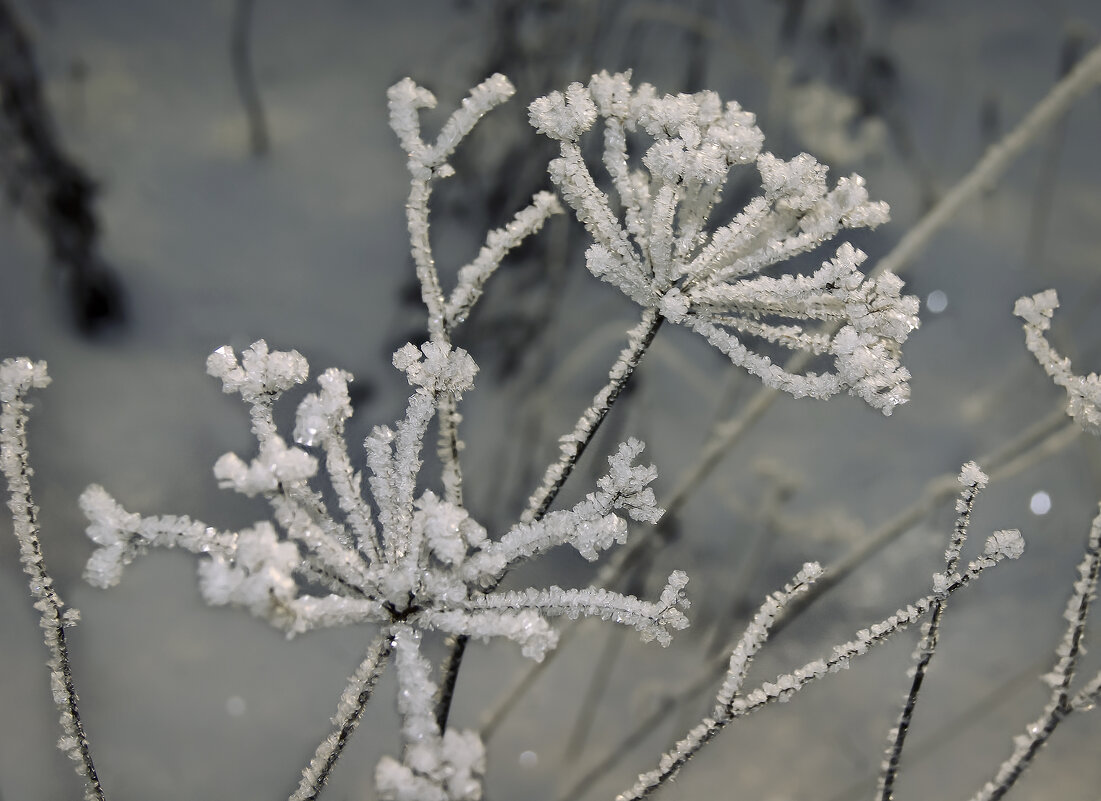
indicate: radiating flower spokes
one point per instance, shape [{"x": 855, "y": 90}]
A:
[
  {"x": 424, "y": 564},
  {"x": 665, "y": 255}
]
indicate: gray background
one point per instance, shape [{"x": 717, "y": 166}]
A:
[{"x": 307, "y": 249}]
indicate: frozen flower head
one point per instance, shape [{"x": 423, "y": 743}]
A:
[
  {"x": 663, "y": 252},
  {"x": 399, "y": 556}
]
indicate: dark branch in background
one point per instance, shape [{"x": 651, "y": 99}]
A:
[
  {"x": 240, "y": 56},
  {"x": 50, "y": 187}
]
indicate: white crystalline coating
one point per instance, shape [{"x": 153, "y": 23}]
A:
[
  {"x": 1083, "y": 392},
  {"x": 259, "y": 370},
  {"x": 563, "y": 116},
  {"x": 275, "y": 464},
  {"x": 405, "y": 101},
  {"x": 437, "y": 367},
  {"x": 448, "y": 530},
  {"x": 472, "y": 277},
  {"x": 590, "y": 526},
  {"x": 972, "y": 476},
  {"x": 1007, "y": 544},
  {"x": 18, "y": 376},
  {"x": 261, "y": 574},
  {"x": 662, "y": 255},
  {"x": 321, "y": 414}
]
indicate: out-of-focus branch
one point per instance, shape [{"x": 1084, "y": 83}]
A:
[{"x": 49, "y": 186}]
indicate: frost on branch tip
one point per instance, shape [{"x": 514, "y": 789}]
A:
[
  {"x": 1083, "y": 392},
  {"x": 664, "y": 254},
  {"x": 437, "y": 367}
]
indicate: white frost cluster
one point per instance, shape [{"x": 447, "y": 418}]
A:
[
  {"x": 1083, "y": 392},
  {"x": 423, "y": 564},
  {"x": 663, "y": 255}
]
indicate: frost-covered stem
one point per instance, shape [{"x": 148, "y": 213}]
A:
[
  {"x": 1040, "y": 441},
  {"x": 349, "y": 496},
  {"x": 973, "y": 481},
  {"x": 1061, "y": 704},
  {"x": 786, "y": 685},
  {"x": 498, "y": 243},
  {"x": 574, "y": 443},
  {"x": 1086, "y": 698},
  {"x": 17, "y": 377},
  {"x": 416, "y": 216},
  {"x": 360, "y": 687},
  {"x": 997, "y": 159},
  {"x": 449, "y": 677},
  {"x": 448, "y": 448}
]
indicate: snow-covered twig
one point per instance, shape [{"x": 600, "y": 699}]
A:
[
  {"x": 361, "y": 685},
  {"x": 17, "y": 378},
  {"x": 973, "y": 481},
  {"x": 732, "y": 704},
  {"x": 1061, "y": 702}
]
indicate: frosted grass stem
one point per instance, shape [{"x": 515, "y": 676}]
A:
[
  {"x": 353, "y": 700},
  {"x": 973, "y": 481},
  {"x": 17, "y": 377}
]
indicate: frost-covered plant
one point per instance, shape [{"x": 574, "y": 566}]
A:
[
  {"x": 664, "y": 256},
  {"x": 410, "y": 559},
  {"x": 426, "y": 565}
]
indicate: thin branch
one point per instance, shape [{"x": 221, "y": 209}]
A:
[
  {"x": 353, "y": 701},
  {"x": 1061, "y": 704},
  {"x": 973, "y": 482},
  {"x": 574, "y": 444},
  {"x": 449, "y": 677},
  {"x": 17, "y": 377},
  {"x": 732, "y": 706},
  {"x": 1040, "y": 441},
  {"x": 240, "y": 56}
]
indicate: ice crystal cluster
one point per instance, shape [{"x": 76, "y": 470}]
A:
[{"x": 663, "y": 254}]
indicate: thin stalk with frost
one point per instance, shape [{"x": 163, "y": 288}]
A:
[
  {"x": 17, "y": 378},
  {"x": 1083, "y": 404},
  {"x": 360, "y": 687},
  {"x": 426, "y": 164},
  {"x": 1062, "y": 702},
  {"x": 572, "y": 445},
  {"x": 1034, "y": 444},
  {"x": 973, "y": 481},
  {"x": 732, "y": 704}
]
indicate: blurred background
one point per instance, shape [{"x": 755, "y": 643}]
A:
[{"x": 179, "y": 176}]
